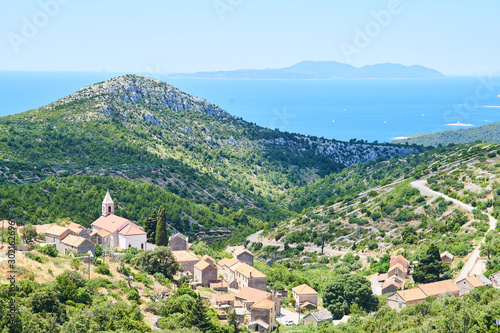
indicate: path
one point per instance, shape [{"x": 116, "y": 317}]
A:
[
  {"x": 376, "y": 288},
  {"x": 424, "y": 190}
]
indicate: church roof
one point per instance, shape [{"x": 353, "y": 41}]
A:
[
  {"x": 131, "y": 230},
  {"x": 110, "y": 223},
  {"x": 107, "y": 199}
]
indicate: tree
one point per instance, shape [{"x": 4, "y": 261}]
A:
[
  {"x": 29, "y": 234},
  {"x": 161, "y": 228},
  {"x": 232, "y": 318},
  {"x": 199, "y": 316},
  {"x": 159, "y": 260},
  {"x": 430, "y": 267},
  {"x": 342, "y": 291},
  {"x": 409, "y": 235},
  {"x": 150, "y": 226}
]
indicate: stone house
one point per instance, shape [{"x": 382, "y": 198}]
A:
[
  {"x": 242, "y": 254},
  {"x": 77, "y": 244},
  {"x": 467, "y": 284},
  {"x": 247, "y": 276},
  {"x": 55, "y": 234},
  {"x": 178, "y": 242},
  {"x": 247, "y": 296},
  {"x": 403, "y": 298},
  {"x": 262, "y": 316},
  {"x": 397, "y": 270},
  {"x": 224, "y": 268},
  {"x": 392, "y": 284},
  {"x": 224, "y": 300},
  {"x": 100, "y": 237},
  {"x": 447, "y": 257},
  {"x": 399, "y": 259},
  {"x": 304, "y": 294},
  {"x": 495, "y": 279},
  {"x": 204, "y": 273},
  {"x": 318, "y": 317},
  {"x": 187, "y": 260},
  {"x": 209, "y": 259},
  {"x": 219, "y": 285}
]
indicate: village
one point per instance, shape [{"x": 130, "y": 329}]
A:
[{"x": 234, "y": 282}]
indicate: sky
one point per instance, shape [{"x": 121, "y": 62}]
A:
[{"x": 459, "y": 37}]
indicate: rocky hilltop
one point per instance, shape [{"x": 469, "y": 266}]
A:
[{"x": 133, "y": 89}]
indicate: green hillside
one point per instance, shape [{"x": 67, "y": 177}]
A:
[{"x": 488, "y": 133}]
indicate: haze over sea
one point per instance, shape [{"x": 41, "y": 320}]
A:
[{"x": 373, "y": 109}]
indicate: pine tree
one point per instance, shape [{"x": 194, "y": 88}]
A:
[
  {"x": 150, "y": 226},
  {"x": 199, "y": 316},
  {"x": 161, "y": 228}
]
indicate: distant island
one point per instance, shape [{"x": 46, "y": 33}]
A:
[{"x": 320, "y": 70}]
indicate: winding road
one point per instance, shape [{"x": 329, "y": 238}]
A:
[{"x": 424, "y": 190}]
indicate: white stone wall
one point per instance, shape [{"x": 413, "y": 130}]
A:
[{"x": 132, "y": 240}]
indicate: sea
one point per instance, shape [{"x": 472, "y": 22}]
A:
[{"x": 343, "y": 109}]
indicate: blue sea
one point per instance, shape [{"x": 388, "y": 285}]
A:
[{"x": 375, "y": 109}]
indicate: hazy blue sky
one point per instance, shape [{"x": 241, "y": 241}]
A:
[{"x": 459, "y": 37}]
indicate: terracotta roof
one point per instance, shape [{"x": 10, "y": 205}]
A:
[
  {"x": 305, "y": 304},
  {"x": 438, "y": 288},
  {"x": 228, "y": 262},
  {"x": 218, "y": 284},
  {"x": 69, "y": 224},
  {"x": 413, "y": 294},
  {"x": 183, "y": 237},
  {"x": 224, "y": 297},
  {"x": 304, "y": 289},
  {"x": 252, "y": 294},
  {"x": 184, "y": 256},
  {"x": 265, "y": 304},
  {"x": 42, "y": 228},
  {"x": 56, "y": 230},
  {"x": 249, "y": 272},
  {"x": 206, "y": 256},
  {"x": 74, "y": 241},
  {"x": 241, "y": 250},
  {"x": 395, "y": 282},
  {"x": 111, "y": 223},
  {"x": 399, "y": 259},
  {"x": 398, "y": 266},
  {"x": 201, "y": 265},
  {"x": 447, "y": 254},
  {"x": 382, "y": 277},
  {"x": 131, "y": 230},
  {"x": 103, "y": 233},
  {"x": 107, "y": 198},
  {"x": 474, "y": 281},
  {"x": 75, "y": 230}
]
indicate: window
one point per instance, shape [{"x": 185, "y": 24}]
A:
[
  {"x": 129, "y": 245},
  {"x": 142, "y": 246},
  {"x": 109, "y": 209},
  {"x": 400, "y": 305}
]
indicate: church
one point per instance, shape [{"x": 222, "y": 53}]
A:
[{"x": 116, "y": 231}]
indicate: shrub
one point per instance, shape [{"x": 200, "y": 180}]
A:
[
  {"x": 103, "y": 269},
  {"x": 34, "y": 256},
  {"x": 133, "y": 295},
  {"x": 48, "y": 250}
]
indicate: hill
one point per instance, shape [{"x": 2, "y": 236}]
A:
[
  {"x": 140, "y": 128},
  {"x": 488, "y": 133},
  {"x": 321, "y": 70}
]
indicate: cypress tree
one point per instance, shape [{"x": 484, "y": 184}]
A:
[
  {"x": 150, "y": 226},
  {"x": 161, "y": 228}
]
